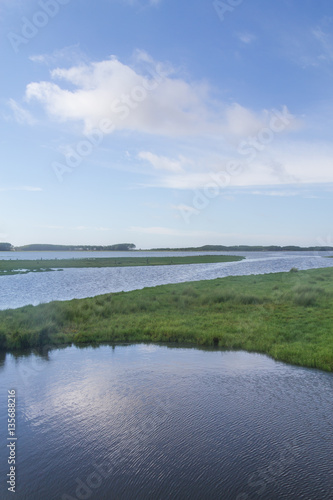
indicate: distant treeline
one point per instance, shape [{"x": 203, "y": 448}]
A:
[
  {"x": 7, "y": 247},
  {"x": 245, "y": 248}
]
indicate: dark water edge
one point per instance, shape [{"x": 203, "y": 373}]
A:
[{"x": 162, "y": 422}]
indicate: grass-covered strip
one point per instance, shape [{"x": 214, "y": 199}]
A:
[
  {"x": 8, "y": 267},
  {"x": 286, "y": 315}
]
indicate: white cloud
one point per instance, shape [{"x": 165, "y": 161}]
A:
[
  {"x": 153, "y": 103},
  {"x": 150, "y": 100},
  {"x": 162, "y": 162}
]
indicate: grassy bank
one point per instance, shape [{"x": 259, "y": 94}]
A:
[
  {"x": 286, "y": 315},
  {"x": 8, "y": 267}
]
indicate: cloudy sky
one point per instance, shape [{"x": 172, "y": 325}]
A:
[{"x": 166, "y": 122}]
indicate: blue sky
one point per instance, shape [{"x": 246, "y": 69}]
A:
[{"x": 166, "y": 123}]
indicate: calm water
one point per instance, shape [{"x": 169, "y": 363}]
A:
[
  {"x": 33, "y": 288},
  {"x": 167, "y": 423}
]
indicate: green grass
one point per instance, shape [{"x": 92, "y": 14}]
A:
[
  {"x": 8, "y": 267},
  {"x": 288, "y": 316}
]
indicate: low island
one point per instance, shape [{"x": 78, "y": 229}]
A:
[{"x": 13, "y": 266}]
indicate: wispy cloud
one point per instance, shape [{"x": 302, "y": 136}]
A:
[
  {"x": 164, "y": 163},
  {"x": 326, "y": 41},
  {"x": 283, "y": 163},
  {"x": 281, "y": 194},
  {"x": 312, "y": 47},
  {"x": 20, "y": 114},
  {"x": 71, "y": 54},
  {"x": 246, "y": 38}
]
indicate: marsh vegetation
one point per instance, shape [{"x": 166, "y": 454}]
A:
[{"x": 288, "y": 316}]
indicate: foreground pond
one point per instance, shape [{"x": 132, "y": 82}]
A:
[{"x": 155, "y": 422}]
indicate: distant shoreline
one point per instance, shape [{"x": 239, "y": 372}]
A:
[{"x": 130, "y": 247}]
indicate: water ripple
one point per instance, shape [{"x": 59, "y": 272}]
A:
[{"x": 171, "y": 423}]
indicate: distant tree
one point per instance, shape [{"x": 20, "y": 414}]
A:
[
  {"x": 6, "y": 247},
  {"x": 121, "y": 247}
]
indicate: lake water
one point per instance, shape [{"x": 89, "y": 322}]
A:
[
  {"x": 34, "y": 288},
  {"x": 153, "y": 422}
]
